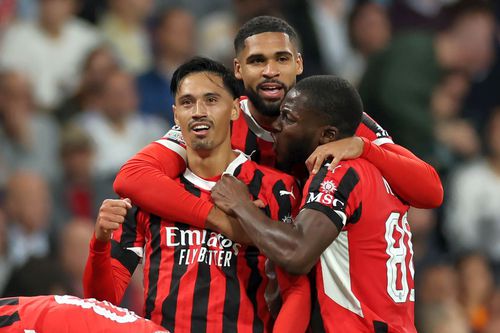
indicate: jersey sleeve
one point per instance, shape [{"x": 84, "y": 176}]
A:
[
  {"x": 335, "y": 194},
  {"x": 412, "y": 179},
  {"x": 110, "y": 265},
  {"x": 148, "y": 180},
  {"x": 295, "y": 312},
  {"x": 371, "y": 130}
]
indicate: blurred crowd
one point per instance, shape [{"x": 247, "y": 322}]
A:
[{"x": 85, "y": 84}]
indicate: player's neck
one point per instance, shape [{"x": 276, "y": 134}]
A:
[
  {"x": 208, "y": 164},
  {"x": 266, "y": 122}
]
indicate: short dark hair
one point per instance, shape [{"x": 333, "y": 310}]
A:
[
  {"x": 334, "y": 99},
  {"x": 453, "y": 13},
  {"x": 261, "y": 24},
  {"x": 200, "y": 64}
]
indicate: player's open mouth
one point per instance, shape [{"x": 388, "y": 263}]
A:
[
  {"x": 272, "y": 91},
  {"x": 200, "y": 129}
]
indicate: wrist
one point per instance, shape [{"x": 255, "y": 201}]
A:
[{"x": 99, "y": 245}]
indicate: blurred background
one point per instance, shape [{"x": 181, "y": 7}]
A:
[{"x": 85, "y": 84}]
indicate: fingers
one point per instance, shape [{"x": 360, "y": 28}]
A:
[
  {"x": 335, "y": 162},
  {"x": 318, "y": 163},
  {"x": 259, "y": 203}
]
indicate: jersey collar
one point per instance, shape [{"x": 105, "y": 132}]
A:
[
  {"x": 252, "y": 123},
  {"x": 207, "y": 185}
]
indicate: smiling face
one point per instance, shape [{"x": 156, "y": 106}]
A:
[
  {"x": 204, "y": 109},
  {"x": 296, "y": 132},
  {"x": 268, "y": 65}
]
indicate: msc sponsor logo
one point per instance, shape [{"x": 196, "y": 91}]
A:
[
  {"x": 213, "y": 248},
  {"x": 326, "y": 199},
  {"x": 328, "y": 186}
]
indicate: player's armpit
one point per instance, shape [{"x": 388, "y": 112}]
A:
[
  {"x": 295, "y": 312},
  {"x": 413, "y": 180},
  {"x": 104, "y": 278},
  {"x": 147, "y": 179}
]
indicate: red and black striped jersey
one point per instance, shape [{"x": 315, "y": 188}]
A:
[
  {"x": 197, "y": 280},
  {"x": 364, "y": 278},
  {"x": 42, "y": 314},
  {"x": 252, "y": 139}
]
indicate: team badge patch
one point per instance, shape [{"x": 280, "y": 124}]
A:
[{"x": 328, "y": 186}]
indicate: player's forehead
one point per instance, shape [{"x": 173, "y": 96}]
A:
[
  {"x": 200, "y": 84},
  {"x": 267, "y": 44},
  {"x": 293, "y": 103}
]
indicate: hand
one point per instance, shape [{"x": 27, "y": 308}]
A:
[
  {"x": 343, "y": 149},
  {"x": 228, "y": 192},
  {"x": 111, "y": 215}
]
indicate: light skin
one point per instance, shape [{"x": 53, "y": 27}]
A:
[{"x": 203, "y": 109}]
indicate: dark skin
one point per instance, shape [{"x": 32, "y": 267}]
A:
[{"x": 287, "y": 245}]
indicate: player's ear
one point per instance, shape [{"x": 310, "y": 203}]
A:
[
  {"x": 328, "y": 134},
  {"x": 237, "y": 68},
  {"x": 235, "y": 110},
  {"x": 300, "y": 63},
  {"x": 174, "y": 109}
]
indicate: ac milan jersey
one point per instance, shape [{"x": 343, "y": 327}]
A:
[
  {"x": 364, "y": 279},
  {"x": 252, "y": 139},
  {"x": 197, "y": 280},
  {"x": 58, "y": 314}
]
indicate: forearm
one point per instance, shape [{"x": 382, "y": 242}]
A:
[
  {"x": 103, "y": 279},
  {"x": 219, "y": 221},
  {"x": 415, "y": 181},
  {"x": 278, "y": 241},
  {"x": 147, "y": 179}
]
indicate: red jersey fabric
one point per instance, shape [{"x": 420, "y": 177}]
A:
[
  {"x": 61, "y": 314},
  {"x": 364, "y": 279},
  {"x": 197, "y": 280}
]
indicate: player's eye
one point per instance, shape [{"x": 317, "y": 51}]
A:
[
  {"x": 283, "y": 59},
  {"x": 186, "y": 102},
  {"x": 211, "y": 100}
]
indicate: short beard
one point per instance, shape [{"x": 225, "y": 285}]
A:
[{"x": 269, "y": 109}]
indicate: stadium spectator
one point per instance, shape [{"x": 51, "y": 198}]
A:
[
  {"x": 79, "y": 192},
  {"x": 174, "y": 43},
  {"x": 96, "y": 68},
  {"x": 118, "y": 129},
  {"x": 28, "y": 139},
  {"x": 5, "y": 265},
  {"x": 28, "y": 207},
  {"x": 472, "y": 219},
  {"x": 73, "y": 251},
  {"x": 49, "y": 50},
  {"x": 124, "y": 28},
  {"x": 369, "y": 32},
  {"x": 403, "y": 104}
]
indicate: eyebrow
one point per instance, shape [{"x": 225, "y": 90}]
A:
[
  {"x": 209, "y": 94},
  {"x": 260, "y": 55}
]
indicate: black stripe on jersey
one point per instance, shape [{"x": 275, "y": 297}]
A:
[
  {"x": 237, "y": 171},
  {"x": 190, "y": 187},
  {"x": 329, "y": 212},
  {"x": 254, "y": 281},
  {"x": 356, "y": 215},
  {"x": 380, "y": 327},
  {"x": 154, "y": 264},
  {"x": 9, "y": 301},
  {"x": 346, "y": 185},
  {"x": 318, "y": 179},
  {"x": 373, "y": 126},
  {"x": 129, "y": 228},
  {"x": 316, "y": 324},
  {"x": 169, "y": 305},
  {"x": 200, "y": 298},
  {"x": 127, "y": 258},
  {"x": 283, "y": 200},
  {"x": 256, "y": 184},
  {"x": 232, "y": 300},
  {"x": 251, "y": 146},
  {"x": 9, "y": 319}
]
